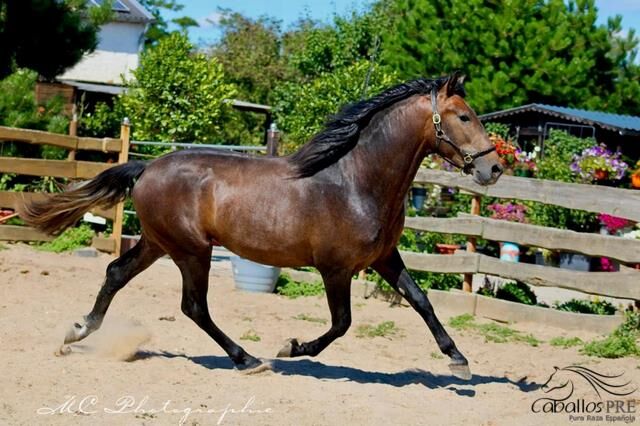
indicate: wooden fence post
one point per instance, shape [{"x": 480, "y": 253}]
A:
[
  {"x": 471, "y": 243},
  {"x": 73, "y": 131},
  {"x": 273, "y": 136},
  {"x": 123, "y": 157}
]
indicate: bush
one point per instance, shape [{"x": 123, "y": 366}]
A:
[
  {"x": 517, "y": 292},
  {"x": 622, "y": 342},
  {"x": 177, "y": 95},
  {"x": 303, "y": 108},
  {"x": 598, "y": 307},
  {"x": 70, "y": 239},
  {"x": 292, "y": 289},
  {"x": 560, "y": 147}
]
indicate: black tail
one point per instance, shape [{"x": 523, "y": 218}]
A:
[{"x": 60, "y": 211}]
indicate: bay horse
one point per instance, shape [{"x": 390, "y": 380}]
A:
[{"x": 337, "y": 204}]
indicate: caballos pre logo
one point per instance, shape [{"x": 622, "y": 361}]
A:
[{"x": 607, "y": 402}]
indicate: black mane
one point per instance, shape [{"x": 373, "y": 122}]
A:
[{"x": 343, "y": 130}]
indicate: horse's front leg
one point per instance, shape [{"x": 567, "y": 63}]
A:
[
  {"x": 338, "y": 287},
  {"x": 393, "y": 270}
]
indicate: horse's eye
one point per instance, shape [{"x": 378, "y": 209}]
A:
[{"x": 465, "y": 118}]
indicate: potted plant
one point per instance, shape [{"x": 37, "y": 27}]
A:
[
  {"x": 634, "y": 234},
  {"x": 252, "y": 276},
  {"x": 598, "y": 163},
  {"x": 506, "y": 151},
  {"x": 525, "y": 164},
  {"x": 635, "y": 176},
  {"x": 512, "y": 212}
]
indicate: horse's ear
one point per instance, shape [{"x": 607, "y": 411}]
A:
[{"x": 455, "y": 84}]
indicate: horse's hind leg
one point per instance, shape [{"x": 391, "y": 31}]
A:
[
  {"x": 338, "y": 287},
  {"x": 119, "y": 273},
  {"x": 195, "y": 285},
  {"x": 392, "y": 269}
]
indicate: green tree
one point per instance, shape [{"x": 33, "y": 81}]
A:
[
  {"x": 249, "y": 51},
  {"x": 302, "y": 108},
  {"x": 47, "y": 36},
  {"x": 159, "y": 28},
  {"x": 516, "y": 51},
  {"x": 177, "y": 94},
  {"x": 18, "y": 106}
]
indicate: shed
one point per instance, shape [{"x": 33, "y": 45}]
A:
[{"x": 531, "y": 125}]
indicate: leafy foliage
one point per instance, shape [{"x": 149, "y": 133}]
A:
[
  {"x": 18, "y": 106},
  {"x": 384, "y": 329},
  {"x": 517, "y": 52},
  {"x": 250, "y": 335},
  {"x": 292, "y": 289},
  {"x": 517, "y": 292},
  {"x": 302, "y": 108},
  {"x": 597, "y": 307},
  {"x": 159, "y": 28},
  {"x": 177, "y": 95},
  {"x": 46, "y": 36},
  {"x": 566, "y": 342},
  {"x": 492, "y": 332},
  {"x": 559, "y": 150},
  {"x": 70, "y": 239},
  {"x": 622, "y": 342}
]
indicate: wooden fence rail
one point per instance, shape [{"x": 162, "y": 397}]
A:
[
  {"x": 70, "y": 169},
  {"x": 598, "y": 199},
  {"x": 622, "y": 249}
]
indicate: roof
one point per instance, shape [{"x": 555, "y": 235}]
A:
[
  {"x": 96, "y": 88},
  {"x": 128, "y": 11},
  {"x": 104, "y": 67},
  {"x": 606, "y": 120}
]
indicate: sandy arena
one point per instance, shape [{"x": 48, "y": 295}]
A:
[{"x": 150, "y": 365}]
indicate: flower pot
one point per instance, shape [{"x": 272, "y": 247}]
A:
[
  {"x": 509, "y": 252},
  {"x": 601, "y": 174},
  {"x": 446, "y": 248},
  {"x": 522, "y": 172},
  {"x": 575, "y": 262},
  {"x": 252, "y": 276},
  {"x": 418, "y": 197},
  {"x": 635, "y": 180}
]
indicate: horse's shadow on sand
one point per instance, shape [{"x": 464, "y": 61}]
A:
[{"x": 319, "y": 370}]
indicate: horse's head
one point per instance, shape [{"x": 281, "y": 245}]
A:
[{"x": 459, "y": 136}]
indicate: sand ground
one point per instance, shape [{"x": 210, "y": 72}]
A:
[{"x": 177, "y": 375}]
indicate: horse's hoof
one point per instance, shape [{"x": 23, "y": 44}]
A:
[
  {"x": 287, "y": 350},
  {"x": 75, "y": 333},
  {"x": 63, "y": 351},
  {"x": 258, "y": 368},
  {"x": 460, "y": 371}
]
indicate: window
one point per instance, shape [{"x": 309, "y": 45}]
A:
[{"x": 117, "y": 5}]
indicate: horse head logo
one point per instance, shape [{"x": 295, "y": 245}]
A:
[{"x": 561, "y": 383}]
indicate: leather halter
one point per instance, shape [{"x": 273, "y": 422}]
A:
[{"x": 467, "y": 157}]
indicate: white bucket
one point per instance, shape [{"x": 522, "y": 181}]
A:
[{"x": 252, "y": 276}]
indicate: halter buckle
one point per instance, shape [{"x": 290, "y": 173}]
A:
[
  {"x": 436, "y": 118},
  {"x": 468, "y": 158}
]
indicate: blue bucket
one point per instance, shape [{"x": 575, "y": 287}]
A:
[{"x": 510, "y": 252}]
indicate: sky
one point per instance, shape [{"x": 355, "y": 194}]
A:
[{"x": 289, "y": 11}]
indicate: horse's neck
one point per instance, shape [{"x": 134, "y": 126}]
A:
[{"x": 388, "y": 155}]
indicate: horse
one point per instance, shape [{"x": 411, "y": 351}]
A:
[{"x": 337, "y": 204}]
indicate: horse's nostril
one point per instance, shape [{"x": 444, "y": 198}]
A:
[{"x": 497, "y": 170}]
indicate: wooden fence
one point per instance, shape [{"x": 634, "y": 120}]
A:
[
  {"x": 598, "y": 199},
  {"x": 70, "y": 169}
]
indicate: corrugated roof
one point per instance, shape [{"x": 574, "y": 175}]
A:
[{"x": 615, "y": 122}]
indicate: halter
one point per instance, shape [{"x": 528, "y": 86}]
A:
[{"x": 467, "y": 157}]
